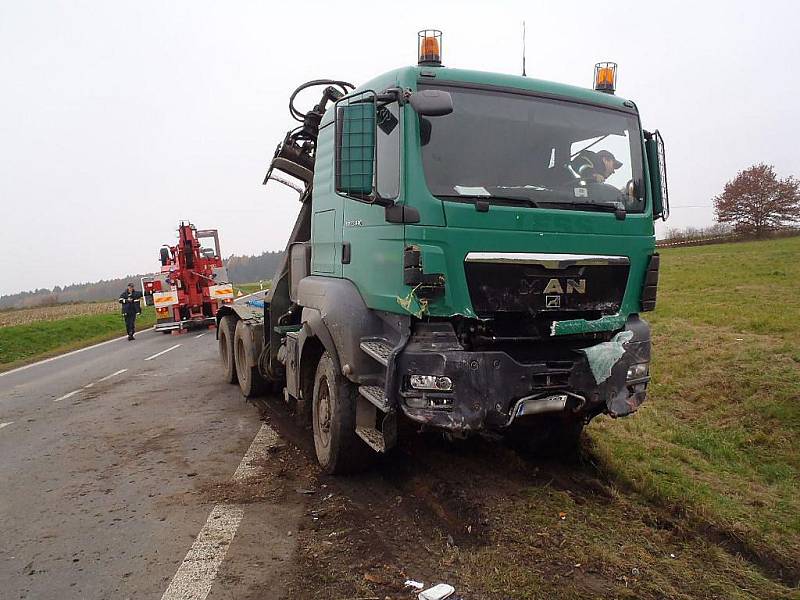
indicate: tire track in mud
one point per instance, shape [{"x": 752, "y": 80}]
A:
[
  {"x": 422, "y": 511},
  {"x": 686, "y": 526}
]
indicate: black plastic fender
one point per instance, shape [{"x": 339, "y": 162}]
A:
[
  {"x": 315, "y": 327},
  {"x": 335, "y": 312}
]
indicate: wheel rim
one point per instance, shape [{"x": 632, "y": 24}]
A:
[{"x": 322, "y": 413}]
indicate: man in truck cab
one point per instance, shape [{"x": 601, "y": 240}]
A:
[{"x": 595, "y": 166}]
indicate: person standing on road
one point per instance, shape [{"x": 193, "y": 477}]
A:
[{"x": 129, "y": 299}]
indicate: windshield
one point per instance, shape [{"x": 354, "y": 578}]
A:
[{"x": 519, "y": 149}]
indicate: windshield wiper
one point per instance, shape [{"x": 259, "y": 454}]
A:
[
  {"x": 616, "y": 207},
  {"x": 515, "y": 199}
]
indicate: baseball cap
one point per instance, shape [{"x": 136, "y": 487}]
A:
[{"x": 608, "y": 155}]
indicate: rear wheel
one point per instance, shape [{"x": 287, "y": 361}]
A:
[
  {"x": 250, "y": 381},
  {"x": 227, "y": 329},
  {"x": 333, "y": 416}
]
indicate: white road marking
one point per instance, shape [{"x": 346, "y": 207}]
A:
[
  {"x": 195, "y": 576},
  {"x": 199, "y": 336},
  {"x": 47, "y": 360},
  {"x": 6, "y": 424},
  {"x": 265, "y": 438},
  {"x": 162, "y": 352},
  {"x": 90, "y": 385},
  {"x": 65, "y": 396},
  {"x": 107, "y": 377}
]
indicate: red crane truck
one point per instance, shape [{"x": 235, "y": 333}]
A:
[{"x": 193, "y": 282}]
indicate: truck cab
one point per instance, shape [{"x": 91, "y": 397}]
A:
[{"x": 473, "y": 253}]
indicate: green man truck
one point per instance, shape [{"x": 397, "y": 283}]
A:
[{"x": 473, "y": 252}]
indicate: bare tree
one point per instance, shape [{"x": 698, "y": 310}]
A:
[{"x": 756, "y": 201}]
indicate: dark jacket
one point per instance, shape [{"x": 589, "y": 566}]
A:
[
  {"x": 589, "y": 166},
  {"x": 130, "y": 302}
]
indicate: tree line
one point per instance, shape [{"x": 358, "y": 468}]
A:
[
  {"x": 241, "y": 269},
  {"x": 246, "y": 269}
]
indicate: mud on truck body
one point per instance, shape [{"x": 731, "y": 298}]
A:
[{"x": 452, "y": 264}]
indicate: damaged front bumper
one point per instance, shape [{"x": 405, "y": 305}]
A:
[{"x": 490, "y": 389}]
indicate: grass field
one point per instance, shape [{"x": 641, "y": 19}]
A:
[
  {"x": 717, "y": 441},
  {"x": 25, "y": 316},
  {"x": 39, "y": 333},
  {"x": 31, "y": 334},
  {"x": 249, "y": 288}
]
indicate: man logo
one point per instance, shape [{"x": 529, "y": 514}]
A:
[
  {"x": 552, "y": 301},
  {"x": 573, "y": 286}
]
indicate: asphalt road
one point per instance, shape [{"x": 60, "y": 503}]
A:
[{"x": 106, "y": 456}]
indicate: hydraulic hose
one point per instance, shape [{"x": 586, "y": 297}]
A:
[{"x": 344, "y": 86}]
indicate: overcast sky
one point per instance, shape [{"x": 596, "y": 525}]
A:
[{"x": 118, "y": 119}]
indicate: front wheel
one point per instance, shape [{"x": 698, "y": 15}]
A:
[{"x": 333, "y": 416}]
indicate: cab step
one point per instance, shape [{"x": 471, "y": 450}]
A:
[
  {"x": 378, "y": 349},
  {"x": 379, "y": 434},
  {"x": 374, "y": 425},
  {"x": 372, "y": 437},
  {"x": 375, "y": 394}
]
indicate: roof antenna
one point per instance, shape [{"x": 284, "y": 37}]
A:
[{"x": 523, "y": 49}]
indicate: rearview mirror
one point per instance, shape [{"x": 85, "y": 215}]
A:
[
  {"x": 432, "y": 103},
  {"x": 657, "y": 166},
  {"x": 355, "y": 148}
]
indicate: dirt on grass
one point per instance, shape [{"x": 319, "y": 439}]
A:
[
  {"x": 492, "y": 524},
  {"x": 279, "y": 477}
]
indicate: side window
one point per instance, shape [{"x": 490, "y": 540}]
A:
[{"x": 388, "y": 152}]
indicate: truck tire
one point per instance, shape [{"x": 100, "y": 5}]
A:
[
  {"x": 227, "y": 329},
  {"x": 250, "y": 381},
  {"x": 333, "y": 417}
]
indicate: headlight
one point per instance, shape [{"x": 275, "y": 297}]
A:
[
  {"x": 431, "y": 382},
  {"x": 638, "y": 371}
]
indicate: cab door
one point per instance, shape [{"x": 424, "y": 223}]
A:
[
  {"x": 327, "y": 215},
  {"x": 373, "y": 246}
]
